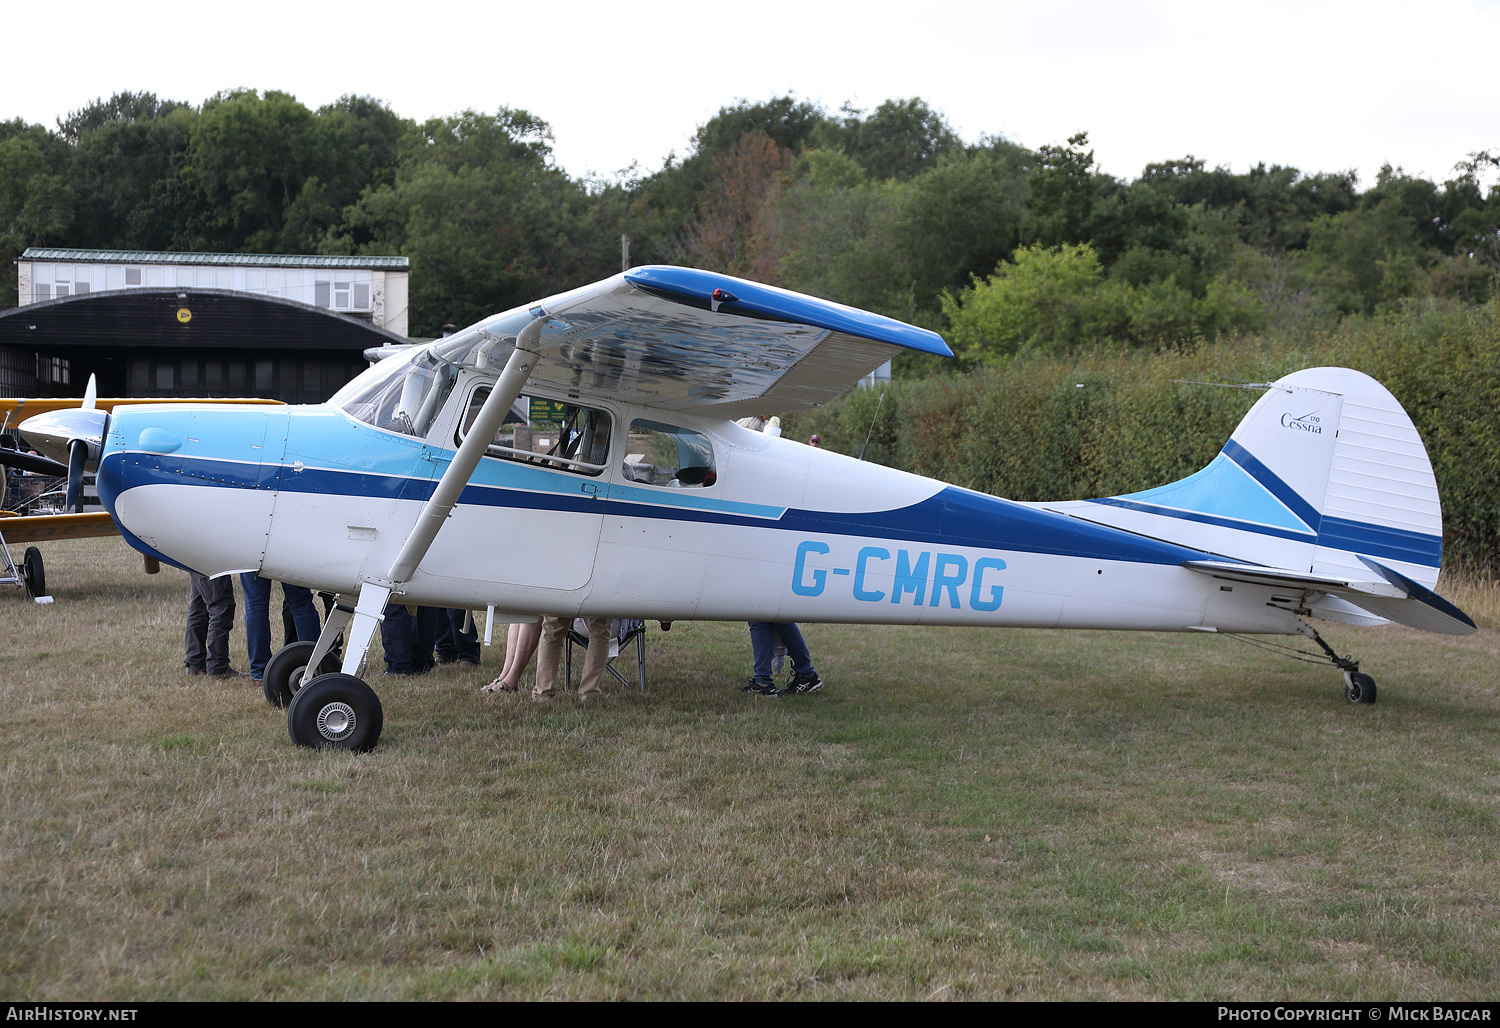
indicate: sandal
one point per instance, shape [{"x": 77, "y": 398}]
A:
[{"x": 498, "y": 685}]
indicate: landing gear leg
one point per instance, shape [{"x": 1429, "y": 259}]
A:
[{"x": 1358, "y": 687}]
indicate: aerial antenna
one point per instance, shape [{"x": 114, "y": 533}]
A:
[
  {"x": 865, "y": 447},
  {"x": 1233, "y": 384}
]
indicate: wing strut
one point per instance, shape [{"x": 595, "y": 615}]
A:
[{"x": 375, "y": 593}]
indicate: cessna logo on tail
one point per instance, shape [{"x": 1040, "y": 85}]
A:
[{"x": 1306, "y": 423}]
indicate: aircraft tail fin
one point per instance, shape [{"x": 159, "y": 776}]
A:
[{"x": 1323, "y": 476}]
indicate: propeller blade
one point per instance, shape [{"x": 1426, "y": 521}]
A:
[
  {"x": 78, "y": 454},
  {"x": 90, "y": 395},
  {"x": 31, "y": 462}
]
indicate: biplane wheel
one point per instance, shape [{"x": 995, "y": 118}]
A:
[
  {"x": 1359, "y": 688},
  {"x": 286, "y": 667},
  {"x": 336, "y": 711},
  {"x": 33, "y": 573}
]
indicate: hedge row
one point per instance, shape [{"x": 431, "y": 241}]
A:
[{"x": 1104, "y": 424}]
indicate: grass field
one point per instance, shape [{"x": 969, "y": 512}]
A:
[{"x": 960, "y": 814}]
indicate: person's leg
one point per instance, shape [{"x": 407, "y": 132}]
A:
[
  {"x": 195, "y": 632},
  {"x": 298, "y": 601},
  {"x": 796, "y": 647},
  {"x": 218, "y": 594},
  {"x": 519, "y": 650},
  {"x": 761, "y": 645},
  {"x": 596, "y": 658},
  {"x": 445, "y": 647},
  {"x": 257, "y": 622},
  {"x": 428, "y": 622},
  {"x": 549, "y": 656},
  {"x": 511, "y": 635},
  {"x": 395, "y": 639},
  {"x": 288, "y": 623},
  {"x": 465, "y": 644}
]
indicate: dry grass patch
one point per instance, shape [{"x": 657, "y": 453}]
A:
[{"x": 961, "y": 814}]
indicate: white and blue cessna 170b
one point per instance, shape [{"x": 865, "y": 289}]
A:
[{"x": 416, "y": 481}]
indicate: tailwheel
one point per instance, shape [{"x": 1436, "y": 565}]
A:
[
  {"x": 1359, "y": 687},
  {"x": 335, "y": 711},
  {"x": 283, "y": 675}
]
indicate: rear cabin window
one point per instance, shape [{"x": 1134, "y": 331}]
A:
[
  {"x": 665, "y": 455},
  {"x": 549, "y": 433}
]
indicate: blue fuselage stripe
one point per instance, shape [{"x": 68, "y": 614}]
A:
[
  {"x": 952, "y": 516},
  {"x": 1208, "y": 519}
]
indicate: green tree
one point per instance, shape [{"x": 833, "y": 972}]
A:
[
  {"x": 36, "y": 205},
  {"x": 900, "y": 139},
  {"x": 486, "y": 218},
  {"x": 124, "y": 150},
  {"x": 1051, "y": 300},
  {"x": 1064, "y": 191}
]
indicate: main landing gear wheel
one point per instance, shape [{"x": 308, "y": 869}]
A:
[
  {"x": 283, "y": 676},
  {"x": 33, "y": 574},
  {"x": 1359, "y": 687},
  {"x": 336, "y": 712}
]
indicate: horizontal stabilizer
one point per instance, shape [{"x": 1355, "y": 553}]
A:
[{"x": 1391, "y": 595}]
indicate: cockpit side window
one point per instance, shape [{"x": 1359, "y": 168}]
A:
[
  {"x": 666, "y": 455},
  {"x": 550, "y": 433}
]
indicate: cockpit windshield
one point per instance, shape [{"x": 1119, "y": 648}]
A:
[
  {"x": 405, "y": 393},
  {"x": 404, "y": 398}
]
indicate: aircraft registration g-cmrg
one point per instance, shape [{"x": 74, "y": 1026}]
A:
[{"x": 581, "y": 457}]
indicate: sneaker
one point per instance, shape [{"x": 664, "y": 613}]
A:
[
  {"x": 802, "y": 684},
  {"x": 760, "y": 688}
]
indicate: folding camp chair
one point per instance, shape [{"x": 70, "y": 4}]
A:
[{"x": 626, "y": 630}]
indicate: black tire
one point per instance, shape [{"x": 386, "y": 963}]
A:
[
  {"x": 34, "y": 573},
  {"x": 336, "y": 711},
  {"x": 1359, "y": 688},
  {"x": 284, "y": 671}
]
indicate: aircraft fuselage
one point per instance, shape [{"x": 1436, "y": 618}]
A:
[{"x": 786, "y": 532}]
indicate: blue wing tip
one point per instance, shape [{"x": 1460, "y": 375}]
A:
[{"x": 756, "y": 298}]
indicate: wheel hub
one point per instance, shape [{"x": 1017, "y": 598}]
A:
[{"x": 336, "y": 721}]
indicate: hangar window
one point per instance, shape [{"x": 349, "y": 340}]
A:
[
  {"x": 552, "y": 433},
  {"x": 342, "y": 290},
  {"x": 665, "y": 455},
  {"x": 132, "y": 276}
]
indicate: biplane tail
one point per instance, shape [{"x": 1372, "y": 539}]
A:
[{"x": 1325, "y": 485}]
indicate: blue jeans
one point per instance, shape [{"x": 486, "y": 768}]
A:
[
  {"x": 763, "y": 642},
  {"x": 453, "y": 643},
  {"x": 408, "y": 640},
  {"x": 258, "y": 618}
]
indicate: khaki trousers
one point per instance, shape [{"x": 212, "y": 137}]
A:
[{"x": 550, "y": 651}]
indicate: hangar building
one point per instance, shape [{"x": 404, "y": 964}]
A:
[{"x": 149, "y": 324}]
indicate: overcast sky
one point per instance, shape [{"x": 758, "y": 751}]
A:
[{"x": 1324, "y": 86}]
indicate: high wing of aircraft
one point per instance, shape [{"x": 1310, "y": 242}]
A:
[{"x": 632, "y": 492}]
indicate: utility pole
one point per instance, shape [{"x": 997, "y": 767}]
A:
[{"x": 624, "y": 252}]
